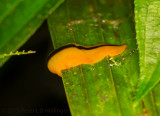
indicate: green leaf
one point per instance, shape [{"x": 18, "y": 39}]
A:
[
  {"x": 147, "y": 16},
  {"x": 19, "y": 19},
  {"x": 106, "y": 87}
]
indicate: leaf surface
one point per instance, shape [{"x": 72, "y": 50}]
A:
[
  {"x": 19, "y": 19},
  {"x": 147, "y": 17}
]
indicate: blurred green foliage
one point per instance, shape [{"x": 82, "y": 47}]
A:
[{"x": 19, "y": 19}]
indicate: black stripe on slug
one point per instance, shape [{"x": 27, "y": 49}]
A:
[
  {"x": 93, "y": 47},
  {"x": 77, "y": 46},
  {"x": 59, "y": 49}
]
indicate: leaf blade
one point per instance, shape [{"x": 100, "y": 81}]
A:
[
  {"x": 98, "y": 22},
  {"x": 17, "y": 26},
  {"x": 147, "y": 18}
]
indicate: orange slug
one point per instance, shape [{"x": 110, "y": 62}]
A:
[{"x": 73, "y": 55}]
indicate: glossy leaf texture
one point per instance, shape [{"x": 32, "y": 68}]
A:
[
  {"x": 106, "y": 87},
  {"x": 19, "y": 19},
  {"x": 147, "y": 18}
]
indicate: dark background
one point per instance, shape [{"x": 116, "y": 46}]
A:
[{"x": 27, "y": 87}]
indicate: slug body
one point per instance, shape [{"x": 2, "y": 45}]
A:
[{"x": 77, "y": 55}]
